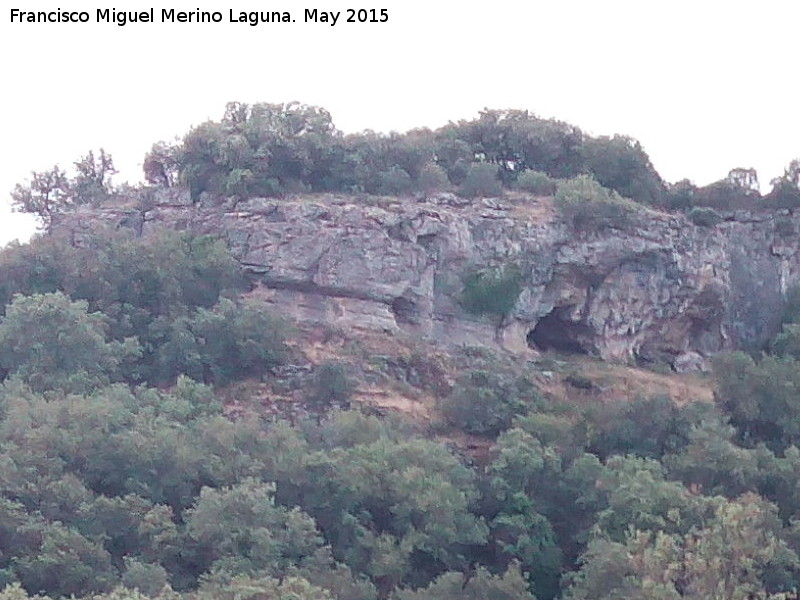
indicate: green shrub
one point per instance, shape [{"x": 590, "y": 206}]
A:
[
  {"x": 485, "y": 403},
  {"x": 330, "y": 385},
  {"x": 240, "y": 182},
  {"x": 783, "y": 197},
  {"x": 722, "y": 195},
  {"x": 679, "y": 195},
  {"x": 492, "y": 292},
  {"x": 649, "y": 426},
  {"x": 787, "y": 342},
  {"x": 432, "y": 178},
  {"x": 482, "y": 180},
  {"x": 224, "y": 343},
  {"x": 395, "y": 182},
  {"x": 589, "y": 206},
  {"x": 536, "y": 182},
  {"x": 703, "y": 216}
]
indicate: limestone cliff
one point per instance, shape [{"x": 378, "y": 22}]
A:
[{"x": 661, "y": 289}]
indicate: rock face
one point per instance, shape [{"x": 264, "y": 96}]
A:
[{"x": 661, "y": 289}]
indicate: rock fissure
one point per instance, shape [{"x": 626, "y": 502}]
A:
[{"x": 309, "y": 287}]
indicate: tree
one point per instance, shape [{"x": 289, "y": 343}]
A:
[
  {"x": 726, "y": 559},
  {"x": 66, "y": 564},
  {"x": 320, "y": 569},
  {"x": 51, "y": 342},
  {"x": 162, "y": 164},
  {"x": 519, "y": 533},
  {"x": 240, "y": 530},
  {"x": 529, "y": 479},
  {"x": 713, "y": 463},
  {"x": 704, "y": 216},
  {"x": 146, "y": 288},
  {"x": 453, "y": 154},
  {"x": 260, "y": 149},
  {"x": 244, "y": 587},
  {"x": 640, "y": 497},
  {"x": 410, "y": 151},
  {"x": 47, "y": 193},
  {"x": 330, "y": 386},
  {"x": 760, "y": 397},
  {"x": 51, "y": 192},
  {"x": 786, "y": 188},
  {"x": 620, "y": 163},
  {"x": 219, "y": 344},
  {"x": 480, "y": 585},
  {"x": 93, "y": 183},
  {"x": 516, "y": 140},
  {"x": 395, "y": 181},
  {"x": 648, "y": 427},
  {"x": 149, "y": 579},
  {"x": 395, "y": 510}
]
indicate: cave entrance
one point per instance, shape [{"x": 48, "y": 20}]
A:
[
  {"x": 555, "y": 331},
  {"x": 405, "y": 311}
]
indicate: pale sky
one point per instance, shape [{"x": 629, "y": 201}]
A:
[{"x": 705, "y": 86}]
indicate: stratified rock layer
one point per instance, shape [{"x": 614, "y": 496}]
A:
[{"x": 662, "y": 289}]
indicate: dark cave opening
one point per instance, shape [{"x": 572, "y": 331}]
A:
[
  {"x": 555, "y": 331},
  {"x": 405, "y": 311}
]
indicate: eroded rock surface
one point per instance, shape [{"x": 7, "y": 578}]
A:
[{"x": 663, "y": 289}]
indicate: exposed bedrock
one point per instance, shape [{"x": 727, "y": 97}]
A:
[{"x": 662, "y": 290}]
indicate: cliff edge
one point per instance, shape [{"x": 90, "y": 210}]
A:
[{"x": 659, "y": 289}]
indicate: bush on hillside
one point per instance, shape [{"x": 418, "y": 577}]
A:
[
  {"x": 485, "y": 403},
  {"x": 492, "y": 291},
  {"x": 703, "y": 216},
  {"x": 482, "y": 180},
  {"x": 588, "y": 206},
  {"x": 536, "y": 182}
]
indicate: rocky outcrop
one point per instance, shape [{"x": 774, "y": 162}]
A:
[{"x": 660, "y": 289}]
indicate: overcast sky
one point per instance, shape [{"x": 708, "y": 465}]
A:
[{"x": 705, "y": 86}]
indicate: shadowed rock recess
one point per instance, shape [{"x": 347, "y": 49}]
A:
[{"x": 660, "y": 290}]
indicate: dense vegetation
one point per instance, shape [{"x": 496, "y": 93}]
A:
[
  {"x": 125, "y": 471},
  {"x": 121, "y": 469},
  {"x": 277, "y": 149}
]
